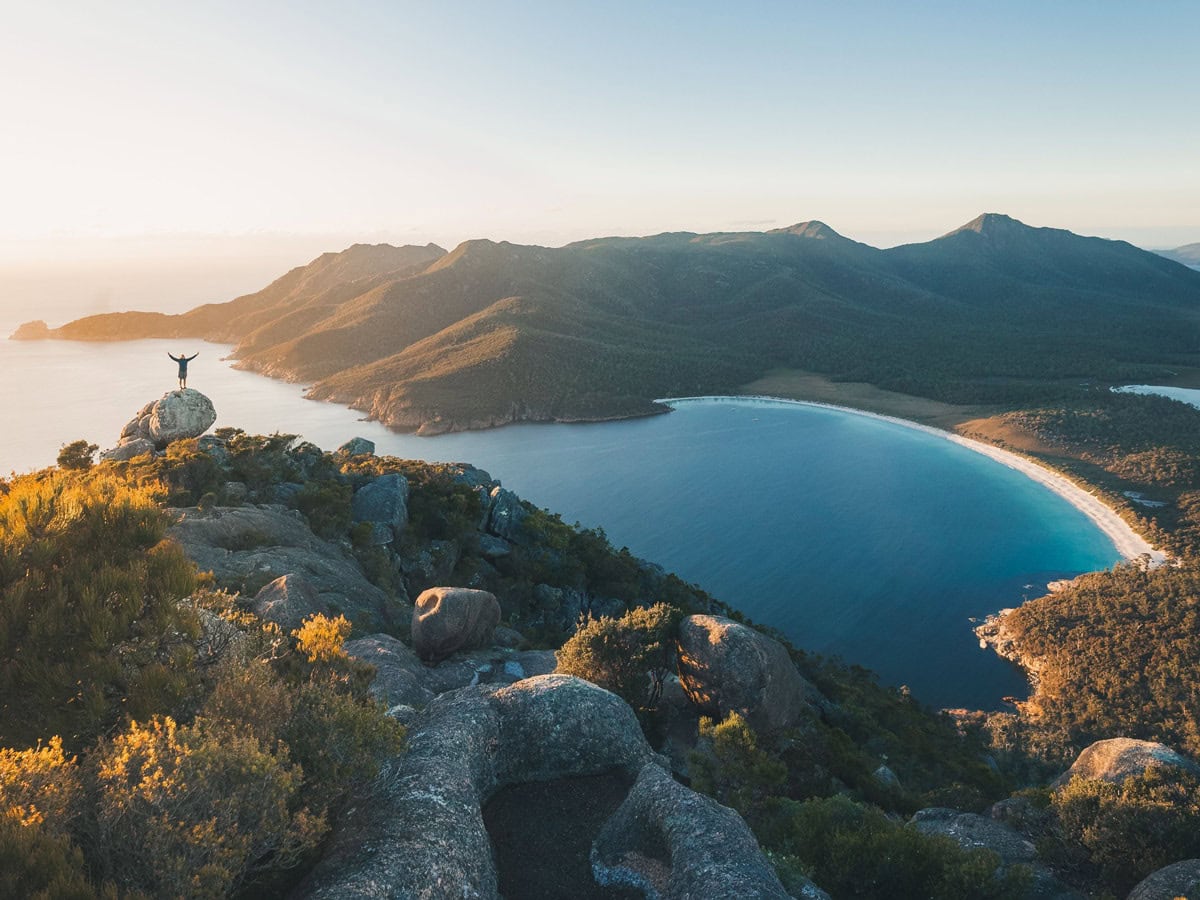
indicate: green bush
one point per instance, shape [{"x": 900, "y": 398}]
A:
[
  {"x": 90, "y": 624},
  {"x": 728, "y": 765},
  {"x": 630, "y": 656},
  {"x": 1127, "y": 831},
  {"x": 38, "y": 864},
  {"x": 852, "y": 850},
  {"x": 195, "y": 811},
  {"x": 326, "y": 505},
  {"x": 78, "y": 455}
]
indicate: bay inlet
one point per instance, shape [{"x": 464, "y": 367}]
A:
[{"x": 852, "y": 534}]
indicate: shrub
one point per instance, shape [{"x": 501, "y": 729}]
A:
[
  {"x": 630, "y": 656},
  {"x": 1127, "y": 831},
  {"x": 77, "y": 455},
  {"x": 853, "y": 850},
  {"x": 39, "y": 786},
  {"x": 193, "y": 811},
  {"x": 326, "y": 505},
  {"x": 37, "y": 864},
  {"x": 729, "y": 766},
  {"x": 320, "y": 638},
  {"x": 90, "y": 624}
]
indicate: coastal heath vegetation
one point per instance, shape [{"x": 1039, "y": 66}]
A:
[
  {"x": 199, "y": 689},
  {"x": 137, "y": 761}
]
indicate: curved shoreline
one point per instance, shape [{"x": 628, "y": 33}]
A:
[{"x": 1127, "y": 542}]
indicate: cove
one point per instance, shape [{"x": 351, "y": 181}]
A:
[{"x": 854, "y": 536}]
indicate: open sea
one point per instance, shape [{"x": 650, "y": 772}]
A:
[{"x": 855, "y": 537}]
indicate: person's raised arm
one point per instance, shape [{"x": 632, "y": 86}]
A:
[{"x": 193, "y": 356}]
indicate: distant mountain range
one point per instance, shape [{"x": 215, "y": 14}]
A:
[
  {"x": 491, "y": 333},
  {"x": 1188, "y": 254}
]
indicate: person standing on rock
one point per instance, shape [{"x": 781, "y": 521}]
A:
[{"x": 183, "y": 361}]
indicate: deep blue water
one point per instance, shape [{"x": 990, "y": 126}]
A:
[{"x": 855, "y": 537}]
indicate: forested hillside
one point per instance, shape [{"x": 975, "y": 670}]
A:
[{"x": 994, "y": 312}]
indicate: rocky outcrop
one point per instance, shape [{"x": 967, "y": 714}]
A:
[
  {"x": 1116, "y": 759},
  {"x": 174, "y": 416},
  {"x": 488, "y": 667},
  {"x": 287, "y": 601},
  {"x": 400, "y": 678},
  {"x": 1014, "y": 848},
  {"x": 1181, "y": 879},
  {"x": 727, "y": 667},
  {"x": 128, "y": 448},
  {"x": 418, "y": 829},
  {"x": 993, "y": 632},
  {"x": 383, "y": 502},
  {"x": 505, "y": 514},
  {"x": 971, "y": 831},
  {"x": 672, "y": 843},
  {"x": 247, "y": 547},
  {"x": 357, "y": 446},
  {"x": 446, "y": 619}
]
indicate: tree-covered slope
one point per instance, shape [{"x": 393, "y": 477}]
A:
[{"x": 491, "y": 332}]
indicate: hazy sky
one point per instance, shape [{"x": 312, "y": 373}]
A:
[{"x": 551, "y": 121}]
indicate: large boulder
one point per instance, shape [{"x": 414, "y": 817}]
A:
[
  {"x": 1181, "y": 879},
  {"x": 728, "y": 667},
  {"x": 180, "y": 414},
  {"x": 446, "y": 619},
  {"x": 247, "y": 547},
  {"x": 128, "y": 448},
  {"x": 1116, "y": 759},
  {"x": 383, "y": 501},
  {"x": 672, "y": 843},
  {"x": 174, "y": 416},
  {"x": 505, "y": 514},
  {"x": 553, "y": 726},
  {"x": 358, "y": 446},
  {"x": 972, "y": 831},
  {"x": 287, "y": 601},
  {"x": 417, "y": 830},
  {"x": 400, "y": 678}
]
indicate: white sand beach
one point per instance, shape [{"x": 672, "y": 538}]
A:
[{"x": 1128, "y": 542}]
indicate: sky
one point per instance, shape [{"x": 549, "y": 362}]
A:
[{"x": 273, "y": 131}]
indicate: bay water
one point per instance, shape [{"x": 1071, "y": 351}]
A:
[{"x": 853, "y": 536}]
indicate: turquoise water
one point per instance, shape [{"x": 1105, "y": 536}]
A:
[{"x": 855, "y": 537}]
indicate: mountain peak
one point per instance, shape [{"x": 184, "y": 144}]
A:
[
  {"x": 993, "y": 224},
  {"x": 813, "y": 229}
]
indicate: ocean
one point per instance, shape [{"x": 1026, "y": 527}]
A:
[{"x": 855, "y": 537}]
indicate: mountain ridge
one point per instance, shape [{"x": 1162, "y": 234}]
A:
[{"x": 493, "y": 332}]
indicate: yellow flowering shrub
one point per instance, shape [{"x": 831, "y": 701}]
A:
[
  {"x": 39, "y": 786},
  {"x": 192, "y": 811}
]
